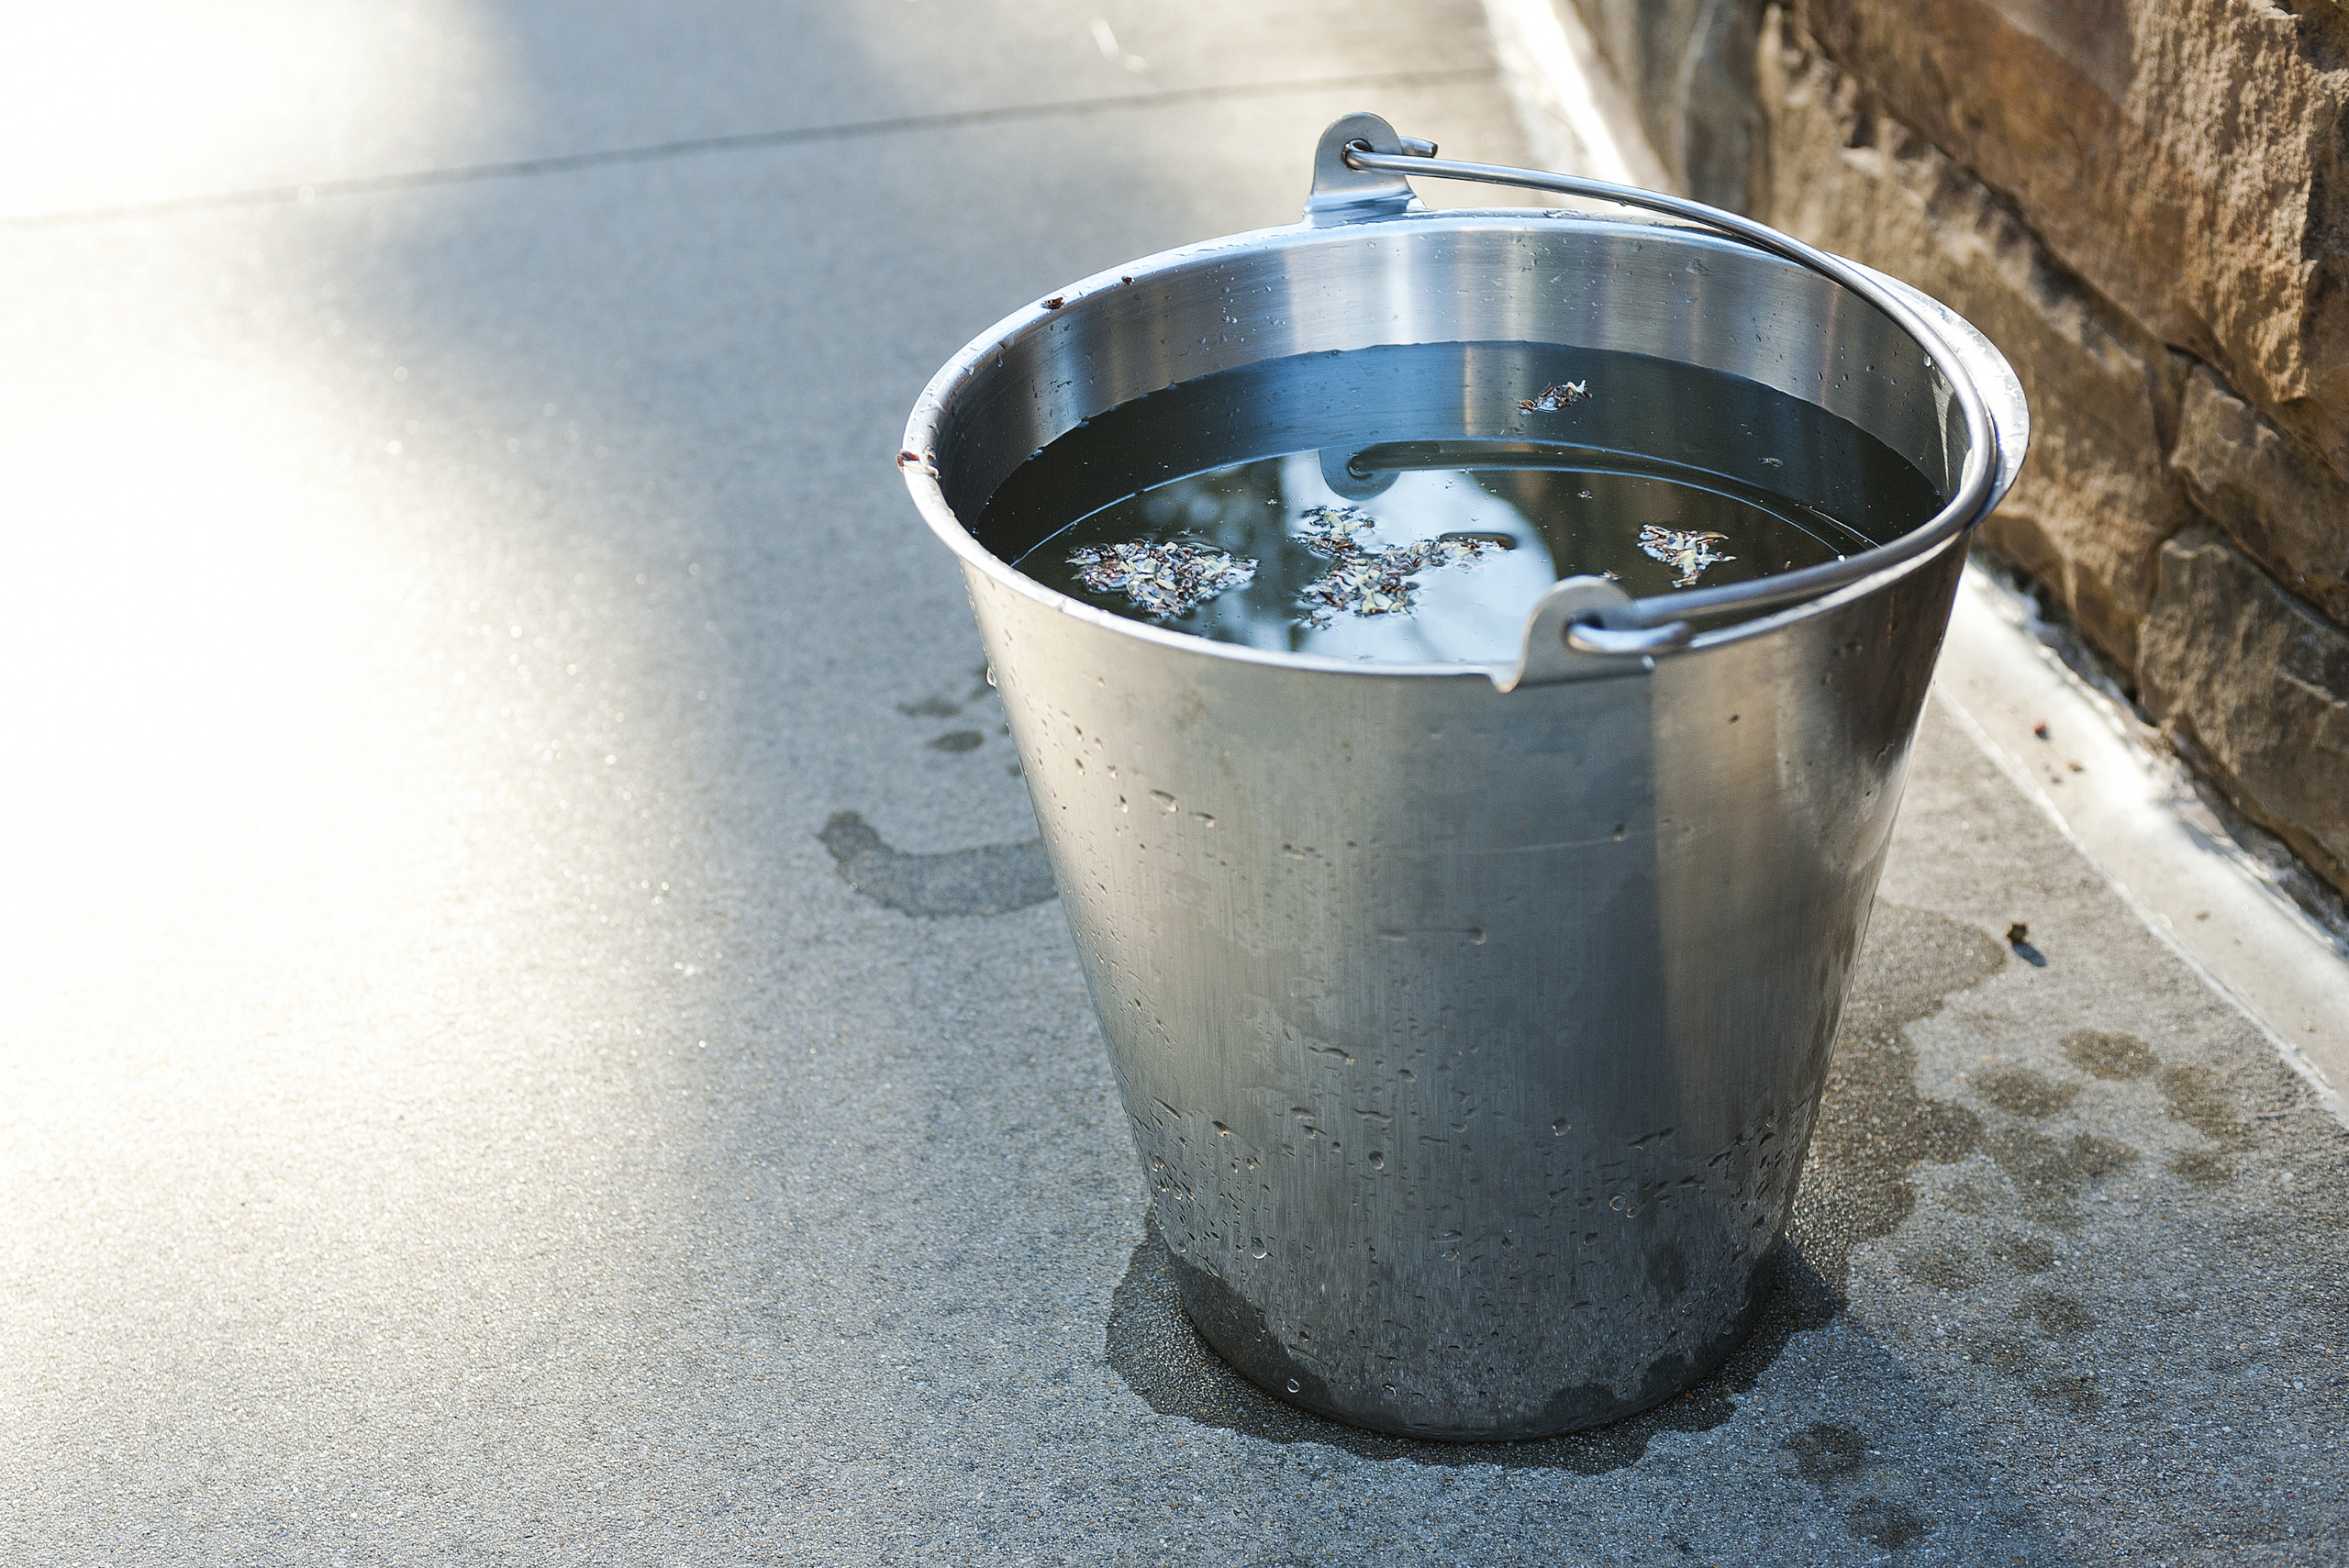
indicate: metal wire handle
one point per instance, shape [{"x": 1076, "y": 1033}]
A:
[{"x": 1977, "y": 477}]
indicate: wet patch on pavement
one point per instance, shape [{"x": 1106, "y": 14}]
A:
[
  {"x": 2198, "y": 1098},
  {"x": 1875, "y": 1128},
  {"x": 2115, "y": 1057},
  {"x": 2055, "y": 1313},
  {"x": 961, "y": 742},
  {"x": 2048, "y": 1174},
  {"x": 2202, "y": 1168},
  {"x": 1836, "y": 1459},
  {"x": 2019, "y": 1091},
  {"x": 2025, "y": 1254},
  {"x": 1945, "y": 1266},
  {"x": 993, "y": 879}
]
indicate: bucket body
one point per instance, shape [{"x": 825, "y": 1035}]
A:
[{"x": 1471, "y": 1038}]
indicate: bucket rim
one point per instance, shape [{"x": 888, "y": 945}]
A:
[{"x": 1972, "y": 357}]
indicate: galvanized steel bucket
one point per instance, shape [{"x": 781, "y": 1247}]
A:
[{"x": 1473, "y": 1021}]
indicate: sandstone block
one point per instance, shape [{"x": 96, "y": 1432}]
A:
[
  {"x": 2185, "y": 156},
  {"x": 2279, "y": 501},
  {"x": 2096, "y": 500},
  {"x": 2253, "y": 687}
]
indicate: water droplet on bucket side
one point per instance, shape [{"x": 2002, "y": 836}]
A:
[
  {"x": 1295, "y": 1386},
  {"x": 1256, "y": 1249},
  {"x": 1378, "y": 1160}
]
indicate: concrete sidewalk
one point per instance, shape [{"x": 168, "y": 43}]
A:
[{"x": 454, "y": 1108}]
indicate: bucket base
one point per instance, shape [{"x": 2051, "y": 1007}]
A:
[{"x": 1236, "y": 1331}]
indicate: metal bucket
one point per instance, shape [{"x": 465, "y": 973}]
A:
[{"x": 1473, "y": 1021}]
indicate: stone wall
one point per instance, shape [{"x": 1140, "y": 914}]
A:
[{"x": 2145, "y": 204}]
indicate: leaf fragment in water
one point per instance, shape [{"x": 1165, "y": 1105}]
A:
[
  {"x": 1549, "y": 399},
  {"x": 1684, "y": 549}
]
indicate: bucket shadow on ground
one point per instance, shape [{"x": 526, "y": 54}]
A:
[
  {"x": 1153, "y": 1346},
  {"x": 1874, "y": 1130}
]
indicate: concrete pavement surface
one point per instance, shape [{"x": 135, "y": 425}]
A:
[{"x": 527, "y": 1031}]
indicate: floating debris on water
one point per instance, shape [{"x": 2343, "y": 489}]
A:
[
  {"x": 1329, "y": 531},
  {"x": 1354, "y": 435},
  {"x": 1164, "y": 579},
  {"x": 1549, "y": 399},
  {"x": 1356, "y": 587},
  {"x": 1685, "y": 551},
  {"x": 1367, "y": 581}
]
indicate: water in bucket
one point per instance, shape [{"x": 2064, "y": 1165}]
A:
[{"x": 1412, "y": 504}]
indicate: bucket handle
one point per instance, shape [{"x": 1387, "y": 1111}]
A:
[{"x": 1353, "y": 144}]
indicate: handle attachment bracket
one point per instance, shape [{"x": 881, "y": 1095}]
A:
[
  {"x": 1345, "y": 192},
  {"x": 1587, "y": 629}
]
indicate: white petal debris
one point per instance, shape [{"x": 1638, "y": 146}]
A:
[
  {"x": 1366, "y": 581},
  {"x": 1329, "y": 531},
  {"x": 1549, "y": 399},
  {"x": 1164, "y": 578},
  {"x": 1685, "y": 551}
]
